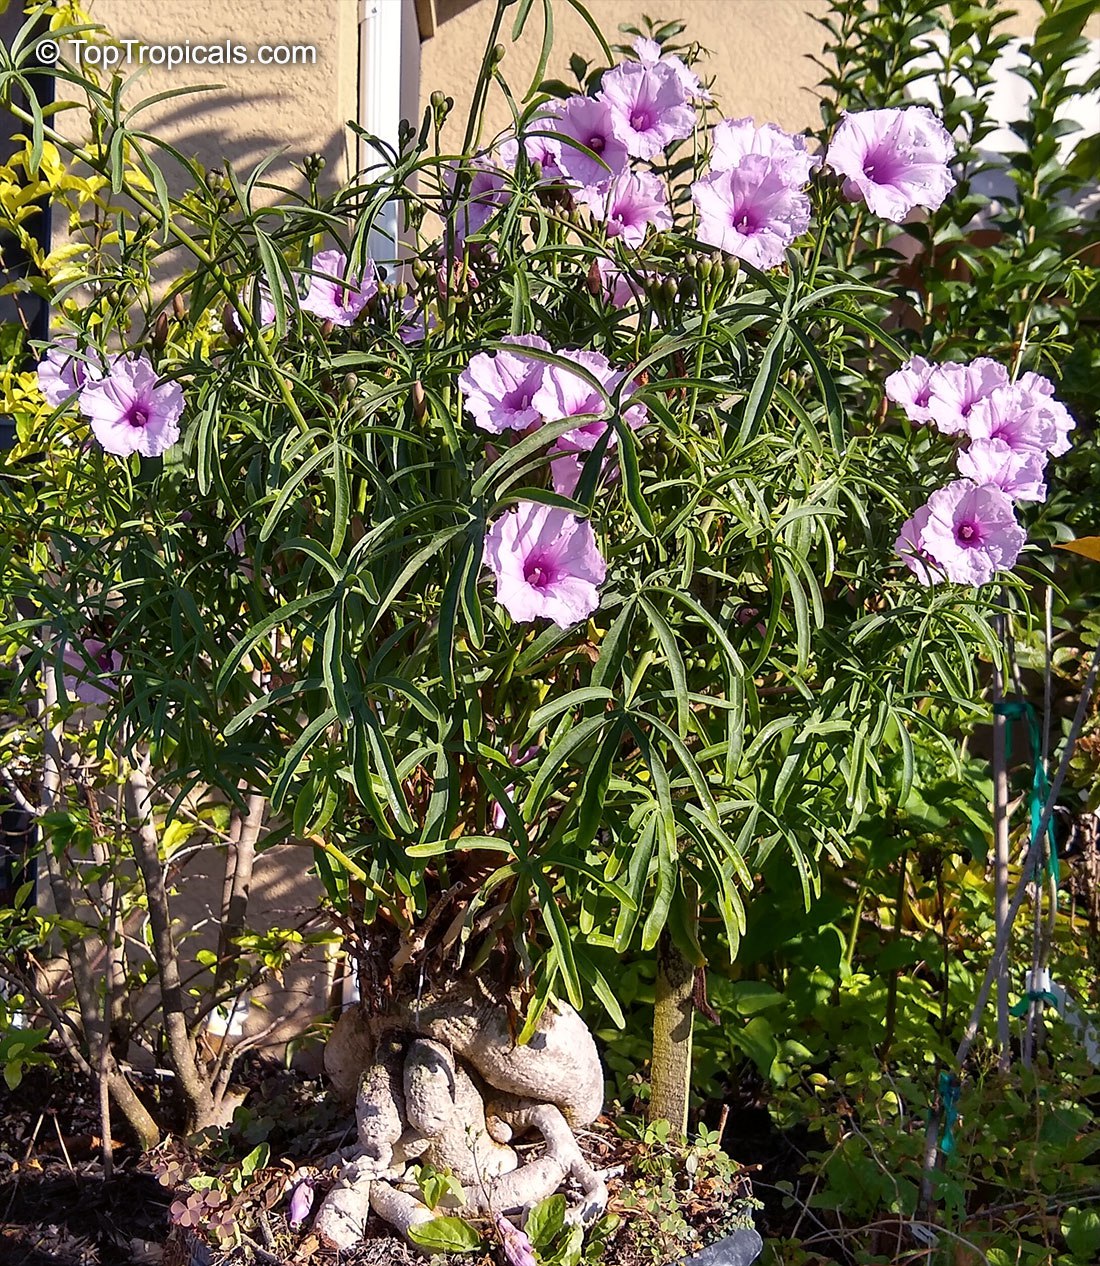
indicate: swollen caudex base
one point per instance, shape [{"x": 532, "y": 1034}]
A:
[{"x": 449, "y": 1087}]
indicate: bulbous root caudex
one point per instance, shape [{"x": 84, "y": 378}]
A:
[{"x": 448, "y": 1086}]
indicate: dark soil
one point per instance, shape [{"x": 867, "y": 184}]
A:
[{"x": 57, "y": 1209}]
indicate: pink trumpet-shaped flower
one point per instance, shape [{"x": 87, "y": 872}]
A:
[
  {"x": 1025, "y": 419},
  {"x": 1018, "y": 473},
  {"x": 751, "y": 211},
  {"x": 301, "y": 1202},
  {"x": 649, "y": 52},
  {"x": 131, "y": 410},
  {"x": 62, "y": 373},
  {"x": 736, "y": 139},
  {"x": 911, "y": 387},
  {"x": 518, "y": 1249},
  {"x": 515, "y": 758},
  {"x": 499, "y": 387},
  {"x": 334, "y": 296},
  {"x": 486, "y": 191},
  {"x": 648, "y": 106},
  {"x": 565, "y": 394},
  {"x": 970, "y": 532},
  {"x": 953, "y": 390},
  {"x": 629, "y": 204},
  {"x": 910, "y": 549},
  {"x": 93, "y": 667},
  {"x": 590, "y": 122},
  {"x": 894, "y": 160},
  {"x": 546, "y": 563}
]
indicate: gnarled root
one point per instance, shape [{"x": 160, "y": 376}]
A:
[{"x": 454, "y": 1089}]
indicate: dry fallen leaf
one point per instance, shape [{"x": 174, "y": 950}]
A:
[{"x": 1088, "y": 546}]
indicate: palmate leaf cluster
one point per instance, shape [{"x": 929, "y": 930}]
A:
[{"x": 298, "y": 592}]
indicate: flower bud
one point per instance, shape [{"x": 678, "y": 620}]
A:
[
  {"x": 498, "y": 54},
  {"x": 419, "y": 401},
  {"x": 536, "y": 169},
  {"x": 229, "y": 324},
  {"x": 350, "y": 383},
  {"x": 159, "y": 336},
  {"x": 731, "y": 267},
  {"x": 327, "y": 327},
  {"x": 669, "y": 290},
  {"x": 214, "y": 181},
  {"x": 437, "y": 100},
  {"x": 703, "y": 268},
  {"x": 595, "y": 278},
  {"x": 178, "y": 306}
]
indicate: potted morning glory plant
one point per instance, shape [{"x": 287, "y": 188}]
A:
[{"x": 542, "y": 573}]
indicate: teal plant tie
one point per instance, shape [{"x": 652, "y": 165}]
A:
[
  {"x": 1020, "y": 709},
  {"x": 1033, "y": 995},
  {"x": 950, "y": 1089}
]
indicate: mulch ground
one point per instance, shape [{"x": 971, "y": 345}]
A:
[{"x": 56, "y": 1208}]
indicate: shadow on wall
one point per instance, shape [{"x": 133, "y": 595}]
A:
[
  {"x": 217, "y": 128},
  {"x": 447, "y": 9}
]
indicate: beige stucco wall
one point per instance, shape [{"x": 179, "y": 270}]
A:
[
  {"x": 760, "y": 50},
  {"x": 259, "y": 108}
]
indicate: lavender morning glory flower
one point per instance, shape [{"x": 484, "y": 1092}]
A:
[
  {"x": 648, "y": 107},
  {"x": 540, "y": 143},
  {"x": 971, "y": 532},
  {"x": 499, "y": 387},
  {"x": 751, "y": 211},
  {"x": 334, "y": 296},
  {"x": 649, "y": 52},
  {"x": 735, "y": 139},
  {"x": 1024, "y": 419},
  {"x": 564, "y": 394},
  {"x": 911, "y": 387},
  {"x": 301, "y": 1202},
  {"x": 93, "y": 667},
  {"x": 894, "y": 160},
  {"x": 486, "y": 191},
  {"x": 911, "y": 551},
  {"x": 629, "y": 204},
  {"x": 131, "y": 410},
  {"x": 518, "y": 1249},
  {"x": 267, "y": 305},
  {"x": 590, "y": 122},
  {"x": 954, "y": 390},
  {"x": 546, "y": 564},
  {"x": 1018, "y": 473},
  {"x": 63, "y": 373}
]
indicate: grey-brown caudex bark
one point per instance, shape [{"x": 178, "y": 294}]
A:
[{"x": 445, "y": 1083}]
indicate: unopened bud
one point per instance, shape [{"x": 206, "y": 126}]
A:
[
  {"x": 498, "y": 54},
  {"x": 229, "y": 324},
  {"x": 731, "y": 268},
  {"x": 179, "y": 307},
  {"x": 669, "y": 290},
  {"x": 437, "y": 100},
  {"x": 160, "y": 332},
  {"x": 419, "y": 401},
  {"x": 327, "y": 327},
  {"x": 704, "y": 268},
  {"x": 350, "y": 383}
]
